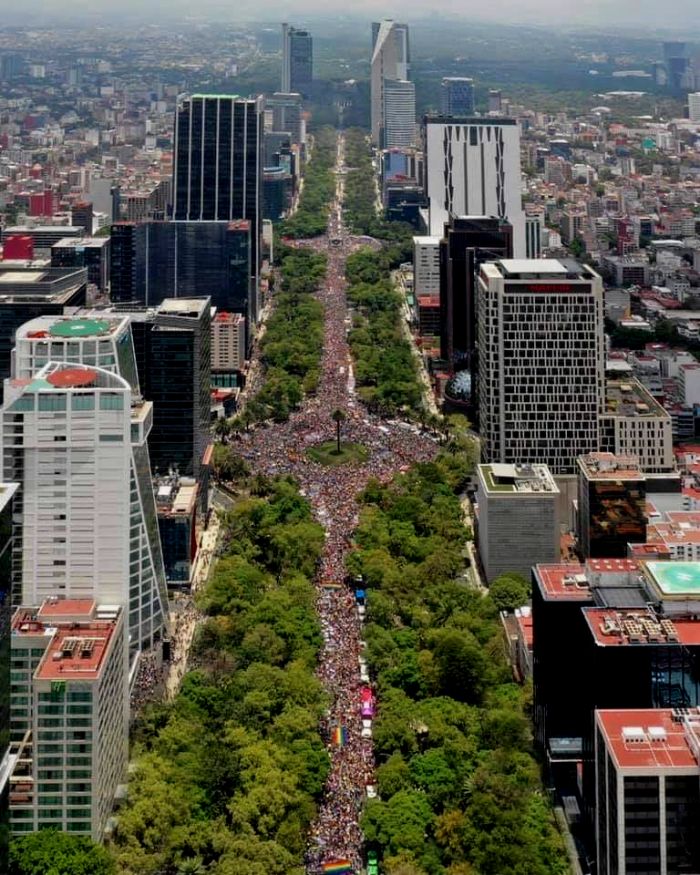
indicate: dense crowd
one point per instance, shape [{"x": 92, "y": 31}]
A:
[{"x": 332, "y": 491}]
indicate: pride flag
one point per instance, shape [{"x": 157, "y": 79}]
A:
[
  {"x": 338, "y": 867},
  {"x": 340, "y": 736}
]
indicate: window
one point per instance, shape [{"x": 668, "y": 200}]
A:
[
  {"x": 83, "y": 402},
  {"x": 52, "y": 403},
  {"x": 111, "y": 438},
  {"x": 109, "y": 401},
  {"x": 26, "y": 402}
]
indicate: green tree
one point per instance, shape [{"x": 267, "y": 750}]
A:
[
  {"x": 49, "y": 852},
  {"x": 509, "y": 591}
]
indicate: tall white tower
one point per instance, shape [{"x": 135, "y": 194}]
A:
[
  {"x": 85, "y": 524},
  {"x": 472, "y": 168},
  {"x": 390, "y": 62}
]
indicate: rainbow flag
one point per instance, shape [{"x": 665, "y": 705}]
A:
[
  {"x": 340, "y": 736},
  {"x": 338, "y": 867}
]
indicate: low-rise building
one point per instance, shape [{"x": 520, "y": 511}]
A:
[
  {"x": 611, "y": 505},
  {"x": 518, "y": 518},
  {"x": 634, "y": 424}
]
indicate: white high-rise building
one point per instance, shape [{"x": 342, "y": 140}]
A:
[
  {"x": 85, "y": 523},
  {"x": 472, "y": 168},
  {"x": 426, "y": 266},
  {"x": 541, "y": 362},
  {"x": 694, "y": 107},
  {"x": 390, "y": 62},
  {"x": 399, "y": 113}
]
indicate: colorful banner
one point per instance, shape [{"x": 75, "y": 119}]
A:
[{"x": 338, "y": 867}]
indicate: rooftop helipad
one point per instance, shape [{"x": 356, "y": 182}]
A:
[
  {"x": 675, "y": 578},
  {"x": 80, "y": 328}
]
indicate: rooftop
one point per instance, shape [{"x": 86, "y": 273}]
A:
[
  {"x": 565, "y": 582},
  {"x": 639, "y": 627},
  {"x": 521, "y": 479},
  {"x": 80, "y": 328},
  {"x": 629, "y": 398},
  {"x": 674, "y": 579},
  {"x": 651, "y": 739},
  {"x": 541, "y": 266},
  {"x": 79, "y": 631},
  {"x": 183, "y": 306},
  {"x": 608, "y": 466}
]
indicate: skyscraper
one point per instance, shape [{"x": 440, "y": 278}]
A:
[
  {"x": 541, "y": 362},
  {"x": 457, "y": 96},
  {"x": 152, "y": 261},
  {"x": 390, "y": 61},
  {"x": 472, "y": 168},
  {"x": 399, "y": 120},
  {"x": 85, "y": 525},
  {"x": 297, "y": 60},
  {"x": 217, "y": 171},
  {"x": 467, "y": 243}
]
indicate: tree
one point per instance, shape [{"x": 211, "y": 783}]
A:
[
  {"x": 49, "y": 852},
  {"x": 509, "y": 591},
  {"x": 338, "y": 416}
]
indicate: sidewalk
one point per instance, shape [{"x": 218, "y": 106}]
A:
[{"x": 186, "y": 617}]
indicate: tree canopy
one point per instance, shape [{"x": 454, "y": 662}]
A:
[
  {"x": 49, "y": 852},
  {"x": 459, "y": 789},
  {"x": 228, "y": 776}
]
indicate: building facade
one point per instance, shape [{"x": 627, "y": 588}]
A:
[
  {"x": 426, "y": 266},
  {"x": 540, "y": 362},
  {"x": 390, "y": 62},
  {"x": 633, "y": 423},
  {"x": 227, "y": 342},
  {"x": 70, "y": 712},
  {"x": 153, "y": 261},
  {"x": 217, "y": 168},
  {"x": 647, "y": 776},
  {"x": 287, "y": 115},
  {"x": 399, "y": 120},
  {"x": 457, "y": 96},
  {"x": 467, "y": 242},
  {"x": 611, "y": 505},
  {"x": 473, "y": 169},
  {"x": 518, "y": 518},
  {"x": 297, "y": 60},
  {"x": 74, "y": 439}
]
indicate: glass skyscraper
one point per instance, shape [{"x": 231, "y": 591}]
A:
[
  {"x": 217, "y": 170},
  {"x": 297, "y": 60}
]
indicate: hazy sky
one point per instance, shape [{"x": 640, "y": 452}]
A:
[{"x": 675, "y": 14}]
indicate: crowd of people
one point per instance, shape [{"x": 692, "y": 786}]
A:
[
  {"x": 332, "y": 491},
  {"x": 150, "y": 676}
]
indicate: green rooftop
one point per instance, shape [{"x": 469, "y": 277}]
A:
[
  {"x": 676, "y": 578},
  {"x": 79, "y": 328}
]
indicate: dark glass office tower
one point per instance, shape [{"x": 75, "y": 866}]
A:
[
  {"x": 468, "y": 242},
  {"x": 173, "y": 355},
  {"x": 457, "y": 96},
  {"x": 217, "y": 171},
  {"x": 297, "y": 60},
  {"x": 153, "y": 261}
]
